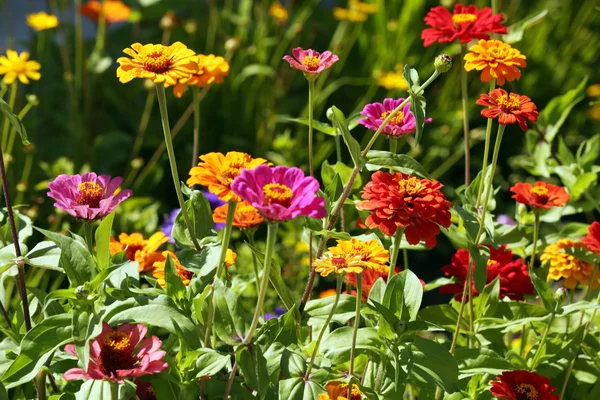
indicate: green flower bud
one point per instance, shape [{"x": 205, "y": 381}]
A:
[
  {"x": 443, "y": 63},
  {"x": 560, "y": 295},
  {"x": 329, "y": 114}
]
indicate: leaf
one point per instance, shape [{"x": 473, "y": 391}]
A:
[
  {"x": 253, "y": 366},
  {"x": 317, "y": 310},
  {"x": 94, "y": 389},
  {"x": 543, "y": 290},
  {"x": 565, "y": 155},
  {"x": 489, "y": 298},
  {"x": 582, "y": 184},
  {"x": 200, "y": 214},
  {"x": 434, "y": 364},
  {"x": 210, "y": 362},
  {"x": 480, "y": 256},
  {"x": 588, "y": 152},
  {"x": 337, "y": 345},
  {"x": 174, "y": 286},
  {"x": 514, "y": 33},
  {"x": 230, "y": 323},
  {"x": 85, "y": 327},
  {"x": 329, "y": 171},
  {"x": 14, "y": 121},
  {"x": 253, "y": 70},
  {"x": 339, "y": 121},
  {"x": 102, "y": 241},
  {"x": 480, "y": 361},
  {"x": 558, "y": 109},
  {"x": 45, "y": 255},
  {"x": 417, "y": 102},
  {"x": 298, "y": 389},
  {"x": 317, "y": 125},
  {"x": 377, "y": 160}
]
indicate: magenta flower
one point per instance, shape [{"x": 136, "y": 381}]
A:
[
  {"x": 280, "y": 193},
  {"x": 310, "y": 61},
  {"x": 115, "y": 355},
  {"x": 88, "y": 196},
  {"x": 403, "y": 123}
]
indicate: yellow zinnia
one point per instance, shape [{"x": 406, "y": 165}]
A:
[
  {"x": 392, "y": 80},
  {"x": 567, "y": 266},
  {"x": 211, "y": 69},
  {"x": 339, "y": 263},
  {"x": 230, "y": 257},
  {"x": 42, "y": 21},
  {"x": 158, "y": 270},
  {"x": 145, "y": 252},
  {"x": 278, "y": 12},
  {"x": 371, "y": 252},
  {"x": 15, "y": 65},
  {"x": 496, "y": 60}
]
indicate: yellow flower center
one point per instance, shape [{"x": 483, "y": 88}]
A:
[
  {"x": 462, "y": 18},
  {"x": 312, "y": 62},
  {"x": 526, "y": 391},
  {"x": 116, "y": 353},
  {"x": 277, "y": 193},
  {"x": 232, "y": 172},
  {"x": 89, "y": 194},
  {"x": 397, "y": 119},
  {"x": 118, "y": 341},
  {"x": 410, "y": 186},
  {"x": 539, "y": 191},
  {"x": 156, "y": 62},
  {"x": 509, "y": 103},
  {"x": 491, "y": 262}
]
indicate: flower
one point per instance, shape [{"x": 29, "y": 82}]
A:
[
  {"x": 392, "y": 80},
  {"x": 592, "y": 239},
  {"x": 403, "y": 123},
  {"x": 504, "y": 219},
  {"x": 42, "y": 21},
  {"x": 540, "y": 196},
  {"x": 88, "y": 196},
  {"x": 160, "y": 64},
  {"x": 523, "y": 385},
  {"x": 311, "y": 62},
  {"x": 513, "y": 273},
  {"x": 144, "y": 390},
  {"x": 369, "y": 277},
  {"x": 278, "y": 311},
  {"x": 344, "y": 14},
  {"x": 217, "y": 172},
  {"x": 121, "y": 353},
  {"x": 245, "y": 215},
  {"x": 398, "y": 200},
  {"x": 211, "y": 69},
  {"x": 145, "y": 252},
  {"x": 278, "y": 12},
  {"x": 280, "y": 193},
  {"x": 15, "y": 65},
  {"x": 230, "y": 257},
  {"x": 342, "y": 263},
  {"x": 464, "y": 24},
  {"x": 328, "y": 293},
  {"x": 158, "y": 270},
  {"x": 339, "y": 391},
  {"x": 496, "y": 59},
  {"x": 114, "y": 10},
  {"x": 567, "y": 266},
  {"x": 510, "y": 108},
  {"x": 167, "y": 226},
  {"x": 375, "y": 256}
]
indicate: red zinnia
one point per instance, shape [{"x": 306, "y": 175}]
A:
[
  {"x": 509, "y": 108},
  {"x": 398, "y": 200},
  {"x": 540, "y": 195},
  {"x": 465, "y": 24},
  {"x": 592, "y": 239},
  {"x": 523, "y": 385},
  {"x": 514, "y": 278}
]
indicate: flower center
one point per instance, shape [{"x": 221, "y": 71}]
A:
[
  {"x": 526, "y": 391},
  {"x": 397, "y": 119},
  {"x": 410, "y": 186},
  {"x": 18, "y": 66},
  {"x": 540, "y": 193},
  {"x": 338, "y": 262},
  {"x": 116, "y": 353},
  {"x": 509, "y": 103},
  {"x": 312, "y": 62},
  {"x": 491, "y": 263},
  {"x": 232, "y": 171},
  {"x": 277, "y": 193},
  {"x": 462, "y": 18},
  {"x": 89, "y": 194},
  {"x": 157, "y": 62}
]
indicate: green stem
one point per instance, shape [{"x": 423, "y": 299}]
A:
[
  {"x": 250, "y": 235},
  {"x": 142, "y": 127},
  {"x": 40, "y": 384},
  {"x": 538, "y": 353},
  {"x": 465, "y": 102},
  {"x": 486, "y": 152},
  {"x": 393, "y": 145},
  {"x": 100, "y": 32},
  {"x": 78, "y": 51},
  {"x": 13, "y": 131},
  {"x": 356, "y": 323},
  {"x": 88, "y": 230},
  {"x": 311, "y": 93},
  {"x": 394, "y": 252},
  {"x": 114, "y": 391},
  {"x": 196, "y": 142},
  {"x": 536, "y": 233},
  {"x": 405, "y": 259},
  {"x": 11, "y": 103}
]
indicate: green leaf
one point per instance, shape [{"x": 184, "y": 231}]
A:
[
  {"x": 480, "y": 256},
  {"x": 200, "y": 214},
  {"x": 253, "y": 366},
  {"x": 543, "y": 290},
  {"x": 588, "y": 151},
  {"x": 45, "y": 255},
  {"x": 328, "y": 173},
  {"x": 558, "y": 109},
  {"x": 86, "y": 326},
  {"x": 94, "y": 389},
  {"x": 14, "y": 121},
  {"x": 489, "y": 298},
  {"x": 293, "y": 363},
  {"x": 317, "y": 310},
  {"x": 210, "y": 362},
  {"x": 377, "y": 160},
  {"x": 434, "y": 364},
  {"x": 174, "y": 286},
  {"x": 514, "y": 33},
  {"x": 337, "y": 345},
  {"x": 298, "y": 389},
  {"x": 332, "y": 193},
  {"x": 480, "y": 361},
  {"x": 565, "y": 155},
  {"x": 231, "y": 323},
  {"x": 417, "y": 102},
  {"x": 102, "y": 241},
  {"x": 509, "y": 315},
  {"x": 253, "y": 70},
  {"x": 582, "y": 184},
  {"x": 339, "y": 121},
  {"x": 317, "y": 125}
]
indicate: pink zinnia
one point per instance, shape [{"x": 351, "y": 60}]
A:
[
  {"x": 117, "y": 354},
  {"x": 403, "y": 123},
  {"x": 310, "y": 61},
  {"x": 88, "y": 196},
  {"x": 280, "y": 193}
]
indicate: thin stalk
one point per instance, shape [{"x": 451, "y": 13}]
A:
[
  {"x": 393, "y": 145},
  {"x": 465, "y": 102},
  {"x": 137, "y": 145},
  {"x": 13, "y": 131},
  {"x": 394, "y": 252},
  {"x": 78, "y": 50},
  {"x": 250, "y": 235},
  {"x": 538, "y": 353},
  {"x": 11, "y": 103},
  {"x": 468, "y": 282},
  {"x": 196, "y": 143},
  {"x": 536, "y": 233},
  {"x": 100, "y": 32},
  {"x": 486, "y": 152},
  {"x": 5, "y": 316},
  {"x": 356, "y": 323},
  {"x": 311, "y": 93},
  {"x": 405, "y": 259},
  {"x": 88, "y": 230},
  {"x": 338, "y": 156},
  {"x": 114, "y": 391},
  {"x": 40, "y": 384}
]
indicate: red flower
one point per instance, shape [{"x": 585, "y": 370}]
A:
[
  {"x": 465, "y": 24},
  {"x": 523, "y": 385},
  {"x": 592, "y": 239},
  {"x": 540, "y": 195},
  {"x": 514, "y": 277},
  {"x": 403, "y": 201},
  {"x": 509, "y": 108}
]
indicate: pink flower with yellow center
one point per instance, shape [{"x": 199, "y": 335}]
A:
[
  {"x": 403, "y": 123},
  {"x": 310, "y": 61}
]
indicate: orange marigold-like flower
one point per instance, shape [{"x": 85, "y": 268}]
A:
[
  {"x": 145, "y": 252},
  {"x": 540, "y": 195},
  {"x": 398, "y": 200},
  {"x": 230, "y": 257},
  {"x": 375, "y": 256},
  {"x": 211, "y": 69},
  {"x": 567, "y": 266},
  {"x": 592, "y": 239},
  {"x": 496, "y": 60},
  {"x": 509, "y": 108},
  {"x": 114, "y": 10},
  {"x": 159, "y": 270},
  {"x": 245, "y": 215},
  {"x": 217, "y": 172},
  {"x": 339, "y": 391}
]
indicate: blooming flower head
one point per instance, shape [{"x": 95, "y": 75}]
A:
[
  {"x": 403, "y": 123},
  {"x": 42, "y": 21},
  {"x": 592, "y": 239},
  {"x": 119, "y": 354},
  {"x": 311, "y": 62},
  {"x": 217, "y": 171},
  {"x": 540, "y": 196},
  {"x": 158, "y": 270},
  {"x": 496, "y": 60},
  {"x": 509, "y": 108},
  {"x": 342, "y": 263},
  {"x": 88, "y": 196},
  {"x": 278, "y": 12},
  {"x": 375, "y": 256},
  {"x": 211, "y": 69},
  {"x": 464, "y": 24},
  {"x": 523, "y": 385},
  {"x": 15, "y": 65},
  {"x": 339, "y": 391},
  {"x": 567, "y": 266},
  {"x": 230, "y": 257},
  {"x": 245, "y": 215},
  {"x": 144, "y": 251},
  {"x": 398, "y": 200},
  {"x": 392, "y": 80},
  {"x": 144, "y": 390},
  {"x": 160, "y": 64},
  {"x": 114, "y": 10},
  {"x": 280, "y": 193}
]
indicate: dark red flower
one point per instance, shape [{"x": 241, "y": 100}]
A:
[
  {"x": 523, "y": 385},
  {"x": 465, "y": 24},
  {"x": 540, "y": 195},
  {"x": 509, "y": 108},
  {"x": 144, "y": 390},
  {"x": 592, "y": 239}
]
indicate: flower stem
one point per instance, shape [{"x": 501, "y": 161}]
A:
[
  {"x": 13, "y": 130},
  {"x": 5, "y": 316},
  {"x": 11, "y": 103},
  {"x": 395, "y": 250},
  {"x": 162, "y": 104},
  {"x": 196, "y": 143},
  {"x": 114, "y": 391},
  {"x": 465, "y": 102},
  {"x": 88, "y": 230},
  {"x": 142, "y": 127},
  {"x": 538, "y": 353},
  {"x": 486, "y": 152},
  {"x": 311, "y": 90},
  {"x": 356, "y": 323},
  {"x": 250, "y": 235},
  {"x": 536, "y": 233}
]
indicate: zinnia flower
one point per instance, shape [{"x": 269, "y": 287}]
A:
[
  {"x": 508, "y": 108},
  {"x": 392, "y": 80},
  {"x": 496, "y": 59},
  {"x": 42, "y": 21},
  {"x": 540, "y": 196},
  {"x": 311, "y": 62},
  {"x": 369, "y": 277},
  {"x": 403, "y": 123},
  {"x": 158, "y": 270},
  {"x": 144, "y": 390},
  {"x": 375, "y": 256},
  {"x": 523, "y": 385},
  {"x": 592, "y": 239},
  {"x": 513, "y": 274},
  {"x": 88, "y": 196},
  {"x": 278, "y": 12},
  {"x": 160, "y": 64},
  {"x": 211, "y": 69},
  {"x": 465, "y": 24},
  {"x": 245, "y": 215},
  {"x": 338, "y": 390},
  {"x": 398, "y": 200},
  {"x": 119, "y": 354},
  {"x": 567, "y": 266},
  {"x": 144, "y": 251},
  {"x": 217, "y": 172},
  {"x": 15, "y": 65},
  {"x": 114, "y": 10},
  {"x": 230, "y": 257},
  {"x": 280, "y": 193}
]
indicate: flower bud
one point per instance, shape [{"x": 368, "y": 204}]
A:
[
  {"x": 137, "y": 163},
  {"x": 560, "y": 294},
  {"x": 329, "y": 114},
  {"x": 33, "y": 99},
  {"x": 190, "y": 27},
  {"x": 148, "y": 84},
  {"x": 443, "y": 63},
  {"x": 232, "y": 44},
  {"x": 81, "y": 292},
  {"x": 169, "y": 21}
]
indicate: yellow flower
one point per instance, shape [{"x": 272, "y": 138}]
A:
[
  {"x": 349, "y": 15},
  {"x": 496, "y": 59},
  {"x": 15, "y": 65},
  {"x": 145, "y": 252},
  {"x": 567, "y": 266},
  {"x": 593, "y": 90},
  {"x": 230, "y": 257},
  {"x": 160, "y": 64},
  {"x": 159, "y": 270},
  {"x": 372, "y": 253},
  {"x": 392, "y": 80},
  {"x": 367, "y": 8},
  {"x": 278, "y": 12},
  {"x": 245, "y": 215},
  {"x": 211, "y": 69},
  {"x": 339, "y": 264},
  {"x": 42, "y": 21},
  {"x": 594, "y": 112}
]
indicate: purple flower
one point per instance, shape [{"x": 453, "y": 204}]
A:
[
  {"x": 403, "y": 123},
  {"x": 167, "y": 227},
  {"x": 277, "y": 312},
  {"x": 88, "y": 196},
  {"x": 310, "y": 61},
  {"x": 280, "y": 193},
  {"x": 504, "y": 219}
]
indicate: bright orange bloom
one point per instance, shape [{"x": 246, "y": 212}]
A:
[
  {"x": 540, "y": 195},
  {"x": 145, "y": 252},
  {"x": 496, "y": 59},
  {"x": 375, "y": 256},
  {"x": 211, "y": 69},
  {"x": 245, "y": 215},
  {"x": 217, "y": 172},
  {"x": 567, "y": 266},
  {"x": 592, "y": 239},
  {"x": 339, "y": 391},
  {"x": 327, "y": 293},
  {"x": 114, "y": 10},
  {"x": 509, "y": 108},
  {"x": 158, "y": 270},
  {"x": 230, "y": 257}
]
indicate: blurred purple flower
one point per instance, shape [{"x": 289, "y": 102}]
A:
[
  {"x": 277, "y": 312},
  {"x": 167, "y": 226},
  {"x": 504, "y": 219}
]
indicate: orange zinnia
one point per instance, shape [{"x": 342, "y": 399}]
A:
[
  {"x": 114, "y": 10},
  {"x": 245, "y": 215},
  {"x": 496, "y": 60},
  {"x": 145, "y": 252},
  {"x": 217, "y": 172},
  {"x": 509, "y": 108},
  {"x": 211, "y": 69},
  {"x": 158, "y": 270},
  {"x": 540, "y": 195},
  {"x": 564, "y": 265}
]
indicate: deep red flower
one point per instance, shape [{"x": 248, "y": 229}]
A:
[
  {"x": 540, "y": 195},
  {"x": 523, "y": 385},
  {"x": 398, "y": 200},
  {"x": 592, "y": 239},
  {"x": 514, "y": 277},
  {"x": 465, "y": 24},
  {"x": 509, "y": 108}
]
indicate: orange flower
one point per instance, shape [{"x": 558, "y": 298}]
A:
[
  {"x": 567, "y": 266},
  {"x": 508, "y": 108},
  {"x": 327, "y": 293},
  {"x": 230, "y": 257},
  {"x": 371, "y": 253},
  {"x": 114, "y": 10},
  {"x": 145, "y": 252},
  {"x": 211, "y": 69},
  {"x": 245, "y": 215},
  {"x": 592, "y": 239},
  {"x": 339, "y": 391},
  {"x": 159, "y": 270},
  {"x": 540, "y": 195},
  {"x": 217, "y": 172},
  {"x": 496, "y": 59}
]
